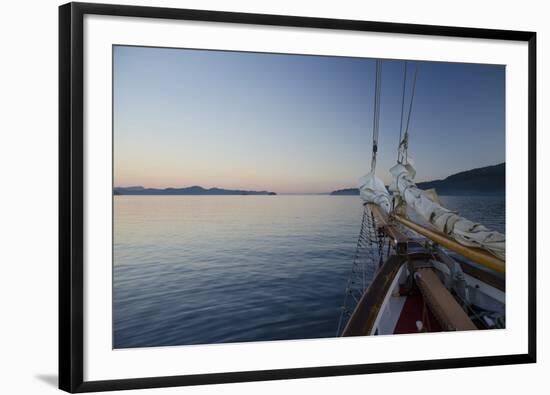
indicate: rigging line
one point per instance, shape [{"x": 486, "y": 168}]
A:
[
  {"x": 375, "y": 110},
  {"x": 376, "y": 113},
  {"x": 402, "y": 108},
  {"x": 379, "y": 94},
  {"x": 410, "y": 106}
]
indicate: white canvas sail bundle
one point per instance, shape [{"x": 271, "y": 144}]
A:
[
  {"x": 464, "y": 231},
  {"x": 373, "y": 190}
]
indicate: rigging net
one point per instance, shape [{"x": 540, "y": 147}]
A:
[{"x": 369, "y": 256}]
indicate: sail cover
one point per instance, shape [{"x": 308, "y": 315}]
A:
[
  {"x": 373, "y": 190},
  {"x": 462, "y": 230}
]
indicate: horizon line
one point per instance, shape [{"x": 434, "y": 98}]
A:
[{"x": 288, "y": 193}]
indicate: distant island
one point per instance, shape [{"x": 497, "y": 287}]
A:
[
  {"x": 194, "y": 190},
  {"x": 345, "y": 192},
  {"x": 489, "y": 180}
]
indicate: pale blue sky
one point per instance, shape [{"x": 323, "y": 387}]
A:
[{"x": 293, "y": 123}]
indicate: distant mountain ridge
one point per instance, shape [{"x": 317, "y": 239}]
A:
[
  {"x": 193, "y": 190},
  {"x": 488, "y": 180}
]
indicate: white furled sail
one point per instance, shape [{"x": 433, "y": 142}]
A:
[
  {"x": 373, "y": 190},
  {"x": 462, "y": 230}
]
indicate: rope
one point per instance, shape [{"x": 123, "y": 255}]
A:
[
  {"x": 376, "y": 113},
  {"x": 402, "y": 152},
  {"x": 402, "y": 107}
]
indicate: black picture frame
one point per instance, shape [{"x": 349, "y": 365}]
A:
[{"x": 71, "y": 182}]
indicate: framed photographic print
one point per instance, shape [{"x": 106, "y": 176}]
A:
[{"x": 257, "y": 197}]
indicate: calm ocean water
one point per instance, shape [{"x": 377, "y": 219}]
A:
[{"x": 216, "y": 269}]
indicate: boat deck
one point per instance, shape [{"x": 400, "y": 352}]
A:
[{"x": 414, "y": 309}]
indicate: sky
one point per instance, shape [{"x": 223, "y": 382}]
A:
[{"x": 294, "y": 123}]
